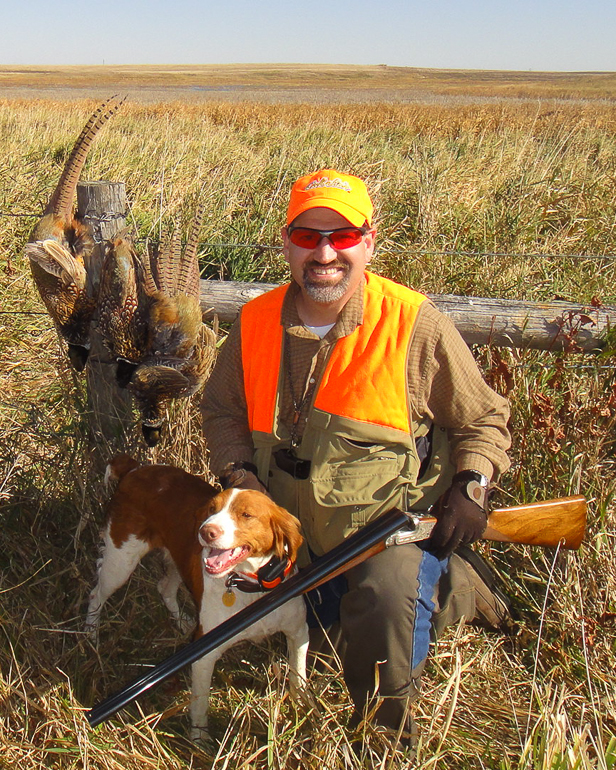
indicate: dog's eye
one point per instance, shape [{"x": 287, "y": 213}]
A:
[{"x": 246, "y": 515}]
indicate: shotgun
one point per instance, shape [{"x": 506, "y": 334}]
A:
[{"x": 549, "y": 523}]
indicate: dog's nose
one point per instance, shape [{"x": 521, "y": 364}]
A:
[{"x": 209, "y": 532}]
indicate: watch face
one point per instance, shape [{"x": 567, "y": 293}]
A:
[
  {"x": 476, "y": 492},
  {"x": 474, "y": 486}
]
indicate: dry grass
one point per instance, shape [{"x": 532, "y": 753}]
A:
[{"x": 529, "y": 179}]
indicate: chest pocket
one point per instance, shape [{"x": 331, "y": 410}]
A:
[{"x": 349, "y": 471}]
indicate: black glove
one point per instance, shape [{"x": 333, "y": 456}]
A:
[
  {"x": 460, "y": 513},
  {"x": 242, "y": 475}
]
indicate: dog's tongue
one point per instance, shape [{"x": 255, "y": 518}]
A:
[{"x": 220, "y": 559}]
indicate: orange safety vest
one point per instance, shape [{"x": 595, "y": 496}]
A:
[
  {"x": 360, "y": 432},
  {"x": 365, "y": 378}
]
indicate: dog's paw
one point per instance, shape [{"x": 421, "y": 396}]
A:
[
  {"x": 90, "y": 630},
  {"x": 185, "y": 623},
  {"x": 201, "y": 736},
  {"x": 302, "y": 698}
]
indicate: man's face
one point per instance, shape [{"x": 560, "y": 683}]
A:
[{"x": 325, "y": 274}]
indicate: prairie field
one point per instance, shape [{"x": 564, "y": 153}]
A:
[
  {"x": 510, "y": 197},
  {"x": 300, "y": 83}
]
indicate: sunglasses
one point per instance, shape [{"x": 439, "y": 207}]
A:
[{"x": 342, "y": 238}]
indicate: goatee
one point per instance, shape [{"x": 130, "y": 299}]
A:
[{"x": 326, "y": 292}]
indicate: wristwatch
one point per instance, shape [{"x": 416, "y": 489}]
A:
[
  {"x": 234, "y": 473},
  {"x": 474, "y": 486}
]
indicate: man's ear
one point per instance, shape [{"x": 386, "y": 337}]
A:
[
  {"x": 285, "y": 242},
  {"x": 370, "y": 241}
]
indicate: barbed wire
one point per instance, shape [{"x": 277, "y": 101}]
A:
[
  {"x": 22, "y": 312},
  {"x": 421, "y": 252},
  {"x": 9, "y": 214},
  {"x": 393, "y": 249}
]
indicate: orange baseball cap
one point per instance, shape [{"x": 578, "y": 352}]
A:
[{"x": 330, "y": 189}]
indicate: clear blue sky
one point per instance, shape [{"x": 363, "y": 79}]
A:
[{"x": 564, "y": 35}]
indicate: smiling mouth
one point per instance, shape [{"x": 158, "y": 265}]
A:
[
  {"x": 324, "y": 271},
  {"x": 221, "y": 560}
]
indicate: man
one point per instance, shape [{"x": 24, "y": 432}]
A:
[{"x": 346, "y": 394}]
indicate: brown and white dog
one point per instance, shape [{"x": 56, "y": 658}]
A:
[{"x": 217, "y": 543}]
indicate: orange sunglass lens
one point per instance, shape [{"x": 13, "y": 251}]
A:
[{"x": 307, "y": 238}]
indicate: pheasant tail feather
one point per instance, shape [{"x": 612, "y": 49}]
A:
[
  {"x": 188, "y": 279},
  {"x": 61, "y": 201}
]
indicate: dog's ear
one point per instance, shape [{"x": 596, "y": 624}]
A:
[{"x": 287, "y": 533}]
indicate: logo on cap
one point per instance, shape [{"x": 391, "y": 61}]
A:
[{"x": 326, "y": 182}]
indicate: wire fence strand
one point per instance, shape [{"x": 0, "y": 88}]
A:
[{"x": 394, "y": 249}]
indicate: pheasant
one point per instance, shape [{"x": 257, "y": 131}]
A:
[
  {"x": 150, "y": 320},
  {"x": 125, "y": 296},
  {"x": 58, "y": 245}
]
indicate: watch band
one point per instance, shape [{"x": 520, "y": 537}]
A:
[
  {"x": 234, "y": 473},
  {"x": 474, "y": 486}
]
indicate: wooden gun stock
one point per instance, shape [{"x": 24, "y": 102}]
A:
[{"x": 547, "y": 523}]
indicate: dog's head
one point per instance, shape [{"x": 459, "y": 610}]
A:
[{"x": 241, "y": 524}]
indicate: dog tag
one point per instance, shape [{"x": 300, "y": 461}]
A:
[{"x": 228, "y": 598}]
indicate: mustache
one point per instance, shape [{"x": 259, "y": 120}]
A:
[{"x": 338, "y": 264}]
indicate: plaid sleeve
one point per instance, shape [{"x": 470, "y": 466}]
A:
[
  {"x": 447, "y": 386},
  {"x": 223, "y": 407}
]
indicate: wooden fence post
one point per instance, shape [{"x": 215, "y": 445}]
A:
[{"x": 103, "y": 206}]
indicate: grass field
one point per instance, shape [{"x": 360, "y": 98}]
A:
[{"x": 531, "y": 180}]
